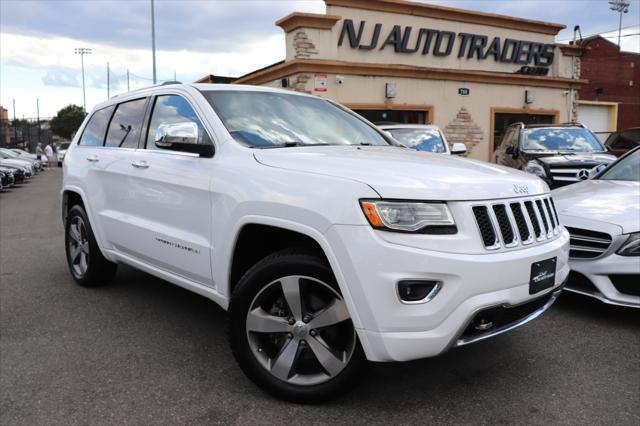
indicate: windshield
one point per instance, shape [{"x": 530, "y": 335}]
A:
[
  {"x": 569, "y": 139},
  {"x": 627, "y": 168},
  {"x": 429, "y": 140},
  {"x": 267, "y": 119}
]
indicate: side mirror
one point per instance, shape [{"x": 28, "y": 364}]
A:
[
  {"x": 458, "y": 148},
  {"x": 183, "y": 136}
]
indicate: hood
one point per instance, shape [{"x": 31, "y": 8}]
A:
[
  {"x": 614, "y": 202},
  {"x": 577, "y": 159},
  {"x": 407, "y": 174},
  {"x": 15, "y": 163}
]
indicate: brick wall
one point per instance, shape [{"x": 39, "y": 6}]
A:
[
  {"x": 303, "y": 46},
  {"x": 463, "y": 129},
  {"x": 617, "y": 74}
]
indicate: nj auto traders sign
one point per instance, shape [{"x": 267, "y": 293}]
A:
[{"x": 427, "y": 41}]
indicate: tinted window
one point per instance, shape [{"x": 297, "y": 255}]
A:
[
  {"x": 263, "y": 119},
  {"x": 125, "y": 127},
  {"x": 429, "y": 140},
  {"x": 173, "y": 109},
  {"x": 96, "y": 129},
  {"x": 570, "y": 139}
]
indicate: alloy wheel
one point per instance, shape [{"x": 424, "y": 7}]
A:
[
  {"x": 299, "y": 330},
  {"x": 78, "y": 247}
]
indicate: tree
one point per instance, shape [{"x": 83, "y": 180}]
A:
[{"x": 67, "y": 121}]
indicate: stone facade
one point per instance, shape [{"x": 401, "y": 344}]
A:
[
  {"x": 463, "y": 129},
  {"x": 299, "y": 82},
  {"x": 303, "y": 46}
]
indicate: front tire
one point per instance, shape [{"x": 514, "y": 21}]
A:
[
  {"x": 290, "y": 331},
  {"x": 87, "y": 265}
]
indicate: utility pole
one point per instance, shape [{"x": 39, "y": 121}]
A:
[
  {"x": 127, "y": 80},
  {"x": 153, "y": 41},
  {"x": 621, "y": 6},
  {"x": 15, "y": 127},
  {"x": 37, "y": 119},
  {"x": 83, "y": 51},
  {"x": 108, "y": 85},
  {"x": 174, "y": 76}
]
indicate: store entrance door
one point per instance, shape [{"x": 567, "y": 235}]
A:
[
  {"x": 387, "y": 116},
  {"x": 503, "y": 120}
]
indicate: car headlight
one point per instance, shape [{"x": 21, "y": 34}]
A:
[
  {"x": 535, "y": 168},
  {"x": 631, "y": 247},
  {"x": 405, "y": 216}
]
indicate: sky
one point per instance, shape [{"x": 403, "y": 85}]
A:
[{"x": 195, "y": 38}]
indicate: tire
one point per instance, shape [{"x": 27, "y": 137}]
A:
[
  {"x": 86, "y": 264},
  {"x": 259, "y": 303}
]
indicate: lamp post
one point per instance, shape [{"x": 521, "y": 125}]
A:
[
  {"x": 621, "y": 6},
  {"x": 83, "y": 51},
  {"x": 153, "y": 41}
]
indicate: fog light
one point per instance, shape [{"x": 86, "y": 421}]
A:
[{"x": 418, "y": 291}]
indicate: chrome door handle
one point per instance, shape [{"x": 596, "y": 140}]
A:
[
  {"x": 140, "y": 164},
  {"x": 92, "y": 158}
]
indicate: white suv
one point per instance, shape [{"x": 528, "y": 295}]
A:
[{"x": 328, "y": 244}]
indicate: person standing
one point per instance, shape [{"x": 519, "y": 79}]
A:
[
  {"x": 40, "y": 152},
  {"x": 48, "y": 150}
]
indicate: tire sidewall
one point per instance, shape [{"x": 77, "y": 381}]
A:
[
  {"x": 259, "y": 276},
  {"x": 92, "y": 272}
]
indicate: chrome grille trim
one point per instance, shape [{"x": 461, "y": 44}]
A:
[
  {"x": 544, "y": 213},
  {"x": 588, "y": 244}
]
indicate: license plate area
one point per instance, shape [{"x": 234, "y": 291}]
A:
[{"x": 543, "y": 275}]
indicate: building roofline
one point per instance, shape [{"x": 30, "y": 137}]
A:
[
  {"x": 450, "y": 14},
  {"x": 285, "y": 69},
  {"x": 307, "y": 20}
]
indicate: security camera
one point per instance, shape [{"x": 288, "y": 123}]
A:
[
  {"x": 566, "y": 93},
  {"x": 339, "y": 79}
]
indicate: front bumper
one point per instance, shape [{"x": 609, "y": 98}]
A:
[
  {"x": 392, "y": 331},
  {"x": 598, "y": 273}
]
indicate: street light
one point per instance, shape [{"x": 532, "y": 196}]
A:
[
  {"x": 153, "y": 41},
  {"x": 83, "y": 51},
  {"x": 621, "y": 6}
]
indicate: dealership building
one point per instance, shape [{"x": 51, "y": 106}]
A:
[{"x": 471, "y": 73}]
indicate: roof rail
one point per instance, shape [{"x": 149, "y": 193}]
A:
[{"x": 166, "y": 83}]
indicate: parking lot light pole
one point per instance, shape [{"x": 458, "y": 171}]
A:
[
  {"x": 83, "y": 51},
  {"x": 153, "y": 41},
  {"x": 621, "y": 6}
]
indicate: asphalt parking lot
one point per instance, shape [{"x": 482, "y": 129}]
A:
[{"x": 142, "y": 351}]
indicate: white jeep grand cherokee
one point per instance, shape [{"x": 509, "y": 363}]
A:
[{"x": 328, "y": 245}]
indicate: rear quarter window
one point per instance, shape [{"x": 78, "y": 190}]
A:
[{"x": 96, "y": 128}]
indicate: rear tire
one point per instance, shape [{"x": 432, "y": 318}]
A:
[
  {"x": 306, "y": 354},
  {"x": 87, "y": 265}
]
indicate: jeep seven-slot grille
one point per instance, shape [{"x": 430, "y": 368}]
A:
[
  {"x": 587, "y": 244},
  {"x": 500, "y": 224}
]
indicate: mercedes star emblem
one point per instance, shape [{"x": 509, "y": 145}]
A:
[{"x": 583, "y": 174}]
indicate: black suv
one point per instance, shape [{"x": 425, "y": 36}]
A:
[{"x": 560, "y": 154}]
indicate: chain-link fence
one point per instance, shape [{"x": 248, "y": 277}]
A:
[{"x": 25, "y": 133}]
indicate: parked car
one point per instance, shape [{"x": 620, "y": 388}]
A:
[
  {"x": 602, "y": 215},
  {"x": 61, "y": 152},
  {"x": 619, "y": 143},
  {"x": 36, "y": 165},
  {"x": 560, "y": 154},
  {"x": 26, "y": 166},
  {"x": 310, "y": 226},
  {"x": 18, "y": 172},
  {"x": 6, "y": 178},
  {"x": 423, "y": 137}
]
